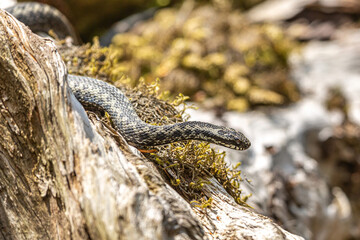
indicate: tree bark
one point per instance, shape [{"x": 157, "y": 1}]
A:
[{"x": 63, "y": 176}]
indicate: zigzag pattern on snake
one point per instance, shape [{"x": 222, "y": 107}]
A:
[{"x": 93, "y": 92}]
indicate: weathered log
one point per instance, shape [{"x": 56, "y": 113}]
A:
[{"x": 65, "y": 177}]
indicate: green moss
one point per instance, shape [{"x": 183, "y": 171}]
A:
[
  {"x": 186, "y": 165},
  {"x": 197, "y": 54},
  {"x": 212, "y": 55}
]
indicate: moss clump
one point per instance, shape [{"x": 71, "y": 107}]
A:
[
  {"x": 208, "y": 53},
  {"x": 186, "y": 165},
  {"x": 211, "y": 54}
]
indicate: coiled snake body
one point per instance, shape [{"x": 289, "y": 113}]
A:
[{"x": 93, "y": 92}]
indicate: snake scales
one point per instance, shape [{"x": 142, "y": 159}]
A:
[{"x": 96, "y": 93}]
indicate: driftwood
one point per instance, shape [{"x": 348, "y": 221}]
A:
[{"x": 63, "y": 176}]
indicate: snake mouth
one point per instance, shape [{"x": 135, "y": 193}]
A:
[
  {"x": 243, "y": 144},
  {"x": 247, "y": 145}
]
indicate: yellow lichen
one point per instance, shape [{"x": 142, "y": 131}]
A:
[
  {"x": 263, "y": 96},
  {"x": 238, "y": 104}
]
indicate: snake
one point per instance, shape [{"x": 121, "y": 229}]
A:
[
  {"x": 106, "y": 97},
  {"x": 41, "y": 18}
]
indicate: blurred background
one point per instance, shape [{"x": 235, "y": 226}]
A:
[{"x": 285, "y": 72}]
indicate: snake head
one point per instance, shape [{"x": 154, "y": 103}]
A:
[{"x": 233, "y": 139}]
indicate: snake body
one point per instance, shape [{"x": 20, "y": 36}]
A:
[
  {"x": 41, "y": 18},
  {"x": 96, "y": 93}
]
